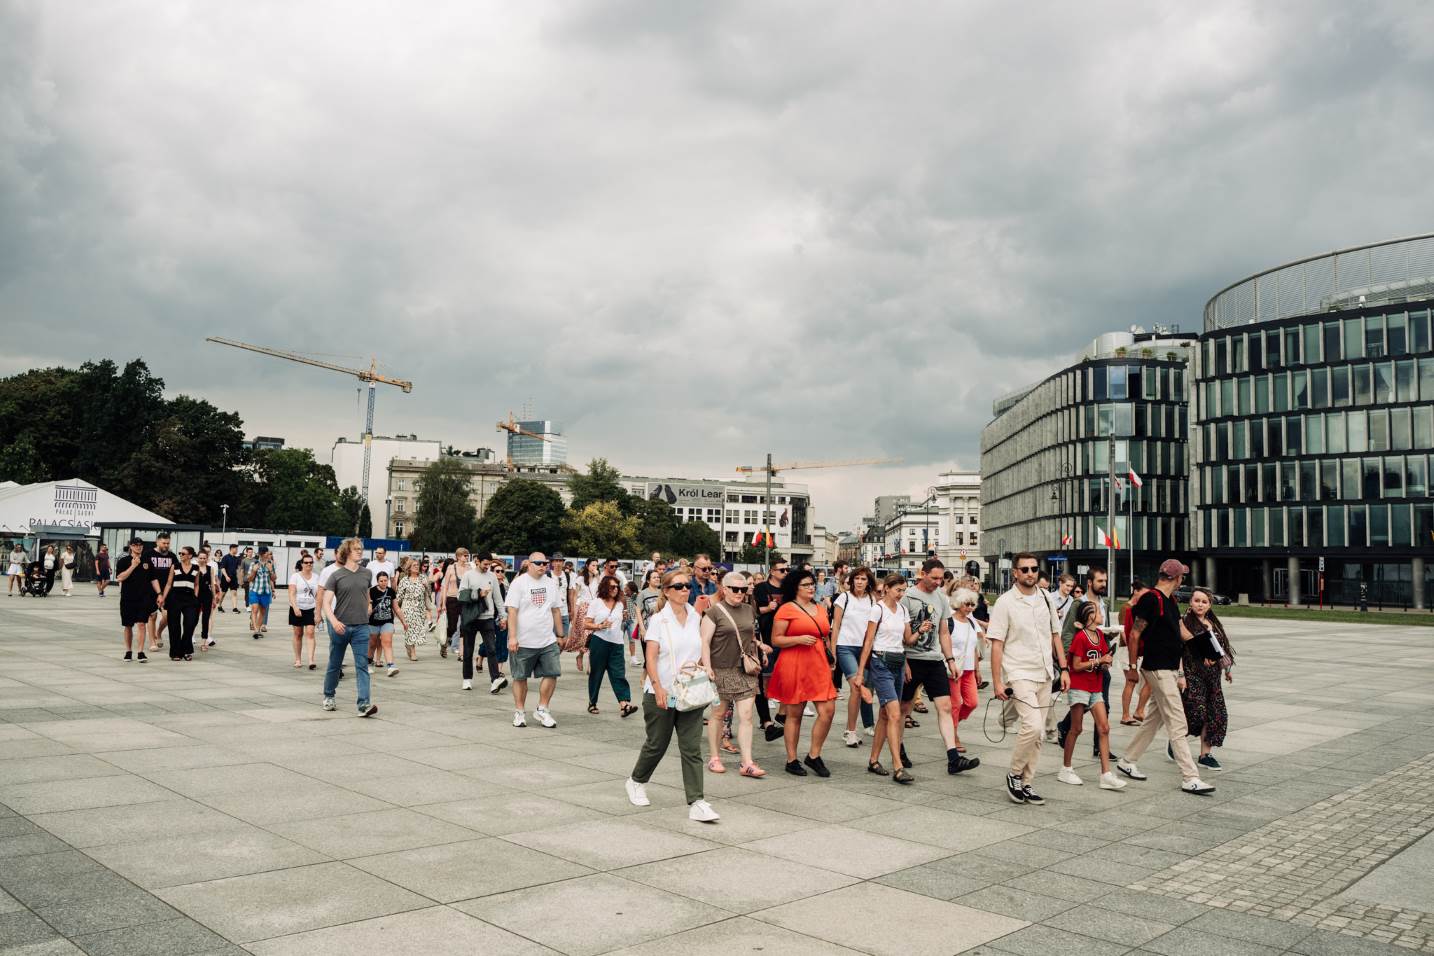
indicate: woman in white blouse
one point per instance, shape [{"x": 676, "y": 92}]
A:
[
  {"x": 965, "y": 642},
  {"x": 303, "y": 600},
  {"x": 673, "y": 645}
]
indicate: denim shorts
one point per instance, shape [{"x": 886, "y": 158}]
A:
[
  {"x": 885, "y": 682},
  {"x": 848, "y": 659},
  {"x": 537, "y": 662},
  {"x": 1087, "y": 697},
  {"x": 381, "y": 628},
  {"x": 263, "y": 600}
]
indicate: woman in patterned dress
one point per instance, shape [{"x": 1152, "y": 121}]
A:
[
  {"x": 414, "y": 601},
  {"x": 1202, "y": 695}
]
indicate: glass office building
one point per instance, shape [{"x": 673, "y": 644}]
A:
[
  {"x": 1045, "y": 458},
  {"x": 1313, "y": 428}
]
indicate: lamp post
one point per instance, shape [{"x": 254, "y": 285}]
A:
[{"x": 224, "y": 529}]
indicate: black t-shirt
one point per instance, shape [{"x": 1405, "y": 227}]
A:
[
  {"x": 1160, "y": 641},
  {"x": 764, "y": 594},
  {"x": 159, "y": 564},
  {"x": 381, "y": 600},
  {"x": 230, "y": 564},
  {"x": 136, "y": 588}
]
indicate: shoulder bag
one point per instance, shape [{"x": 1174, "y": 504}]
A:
[{"x": 751, "y": 660}]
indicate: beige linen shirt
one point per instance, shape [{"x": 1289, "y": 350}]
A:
[{"x": 1024, "y": 624}]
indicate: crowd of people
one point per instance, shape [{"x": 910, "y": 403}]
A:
[{"x": 724, "y": 654}]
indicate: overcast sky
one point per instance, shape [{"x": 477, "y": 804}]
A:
[{"x": 691, "y": 232}]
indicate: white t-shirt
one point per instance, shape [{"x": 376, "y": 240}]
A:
[
  {"x": 376, "y": 566},
  {"x": 964, "y": 641},
  {"x": 587, "y": 593},
  {"x": 534, "y": 600},
  {"x": 609, "y": 619},
  {"x": 677, "y": 645},
  {"x": 890, "y": 628},
  {"x": 305, "y": 591},
  {"x": 855, "y": 614},
  {"x": 561, "y": 585}
]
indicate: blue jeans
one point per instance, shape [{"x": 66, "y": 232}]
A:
[
  {"x": 354, "y": 636},
  {"x": 848, "y": 659}
]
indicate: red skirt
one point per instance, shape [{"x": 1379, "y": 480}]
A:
[{"x": 801, "y": 674}]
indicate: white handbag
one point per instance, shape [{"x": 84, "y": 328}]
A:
[{"x": 693, "y": 690}]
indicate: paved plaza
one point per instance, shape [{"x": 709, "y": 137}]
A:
[{"x": 213, "y": 807}]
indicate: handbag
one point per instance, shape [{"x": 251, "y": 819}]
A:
[
  {"x": 693, "y": 690},
  {"x": 751, "y": 662}
]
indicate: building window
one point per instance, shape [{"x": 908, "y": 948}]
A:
[
  {"x": 400, "y": 505},
  {"x": 398, "y": 529}
]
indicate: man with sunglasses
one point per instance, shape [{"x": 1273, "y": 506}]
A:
[
  {"x": 767, "y": 597},
  {"x": 1025, "y": 635},
  {"x": 535, "y": 604},
  {"x": 703, "y": 584}
]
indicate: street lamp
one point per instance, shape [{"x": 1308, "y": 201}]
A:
[{"x": 224, "y": 529}]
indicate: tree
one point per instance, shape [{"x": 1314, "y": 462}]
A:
[
  {"x": 752, "y": 554},
  {"x": 656, "y": 524},
  {"x": 445, "y": 518},
  {"x": 601, "y": 483},
  {"x": 356, "y": 514},
  {"x": 297, "y": 493},
  {"x": 696, "y": 537},
  {"x": 601, "y": 530},
  {"x": 20, "y": 462},
  {"x": 521, "y": 517}
]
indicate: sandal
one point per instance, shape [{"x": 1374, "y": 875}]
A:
[
  {"x": 727, "y": 748},
  {"x": 626, "y": 709},
  {"x": 1132, "y": 722},
  {"x": 875, "y": 767},
  {"x": 751, "y": 770},
  {"x": 912, "y": 722},
  {"x": 297, "y": 665},
  {"x": 901, "y": 776},
  {"x": 592, "y": 708},
  {"x": 715, "y": 765},
  {"x": 919, "y": 707}
]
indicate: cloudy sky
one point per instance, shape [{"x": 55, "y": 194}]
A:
[{"x": 692, "y": 232}]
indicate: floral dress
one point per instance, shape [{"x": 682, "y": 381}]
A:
[{"x": 415, "y": 596}]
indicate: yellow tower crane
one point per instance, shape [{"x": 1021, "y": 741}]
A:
[{"x": 369, "y": 375}]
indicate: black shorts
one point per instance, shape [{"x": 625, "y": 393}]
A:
[
  {"x": 135, "y": 612},
  {"x": 930, "y": 676},
  {"x": 299, "y": 618}
]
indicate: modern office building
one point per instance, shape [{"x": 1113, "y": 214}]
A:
[
  {"x": 1313, "y": 413},
  {"x": 550, "y": 449},
  {"x": 1045, "y": 458}
]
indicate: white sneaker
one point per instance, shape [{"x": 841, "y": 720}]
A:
[
  {"x": 1109, "y": 781},
  {"x": 702, "y": 812},
  {"x": 635, "y": 661},
  {"x": 545, "y": 718},
  {"x": 1130, "y": 770},
  {"x": 1197, "y": 786},
  {"x": 468, "y": 685},
  {"x": 497, "y": 684},
  {"x": 392, "y": 671},
  {"x": 637, "y": 794},
  {"x": 871, "y": 731},
  {"x": 519, "y": 720},
  {"x": 1067, "y": 775},
  {"x": 809, "y": 710},
  {"x": 328, "y": 703},
  {"x": 851, "y": 738},
  {"x": 1050, "y": 737}
]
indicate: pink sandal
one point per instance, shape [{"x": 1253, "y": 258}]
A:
[
  {"x": 715, "y": 765},
  {"x": 751, "y": 770}
]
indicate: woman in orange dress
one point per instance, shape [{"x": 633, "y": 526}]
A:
[{"x": 802, "y": 672}]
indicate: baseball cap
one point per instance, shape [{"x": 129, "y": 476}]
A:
[{"x": 1172, "y": 569}]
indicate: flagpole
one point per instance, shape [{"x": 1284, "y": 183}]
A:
[
  {"x": 1110, "y": 506},
  {"x": 1130, "y": 535}
]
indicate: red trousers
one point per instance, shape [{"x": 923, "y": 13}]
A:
[{"x": 963, "y": 697}]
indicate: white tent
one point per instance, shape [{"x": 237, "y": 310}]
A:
[{"x": 71, "y": 504}]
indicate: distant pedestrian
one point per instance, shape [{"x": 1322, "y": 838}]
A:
[
  {"x": 480, "y": 596},
  {"x": 452, "y": 583},
  {"x": 380, "y": 563},
  {"x": 16, "y": 570},
  {"x": 137, "y": 600},
  {"x": 208, "y": 594},
  {"x": 603, "y": 626},
  {"x": 229, "y": 579},
  {"x": 851, "y": 610},
  {"x": 102, "y": 569},
  {"x": 414, "y": 602},
  {"x": 965, "y": 642},
  {"x": 160, "y": 559},
  {"x": 303, "y": 610},
  {"x": 67, "y": 571},
  {"x": 246, "y": 564},
  {"x": 1206, "y": 659},
  {"x": 261, "y": 591},
  {"x": 181, "y": 597},
  {"x": 50, "y": 564},
  {"x": 534, "y": 606},
  {"x": 380, "y": 624},
  {"x": 1089, "y": 655},
  {"x": 1132, "y": 662},
  {"x": 882, "y": 669}
]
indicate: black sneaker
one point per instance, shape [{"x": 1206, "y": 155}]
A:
[
  {"x": 962, "y": 763},
  {"x": 1060, "y": 737},
  {"x": 256, "y": 635},
  {"x": 1209, "y": 762},
  {"x": 1031, "y": 796},
  {"x": 818, "y": 766},
  {"x": 773, "y": 732},
  {"x": 141, "y": 658},
  {"x": 1015, "y": 788},
  {"x": 796, "y": 769},
  {"x": 128, "y": 656},
  {"x": 905, "y": 760},
  {"x": 1170, "y": 752}
]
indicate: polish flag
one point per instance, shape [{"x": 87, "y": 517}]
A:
[
  {"x": 1136, "y": 479},
  {"x": 1111, "y": 540}
]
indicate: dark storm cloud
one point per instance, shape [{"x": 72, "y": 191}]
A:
[{"x": 692, "y": 232}]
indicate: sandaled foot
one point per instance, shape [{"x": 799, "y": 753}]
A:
[
  {"x": 715, "y": 765},
  {"x": 875, "y": 767},
  {"x": 592, "y": 708}
]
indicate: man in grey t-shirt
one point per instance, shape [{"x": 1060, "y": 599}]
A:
[
  {"x": 346, "y": 609},
  {"x": 930, "y": 659}
]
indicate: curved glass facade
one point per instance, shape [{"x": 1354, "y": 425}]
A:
[
  {"x": 1312, "y": 439},
  {"x": 1045, "y": 460}
]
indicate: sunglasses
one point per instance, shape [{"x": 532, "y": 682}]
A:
[
  {"x": 1027, "y": 570},
  {"x": 541, "y": 564},
  {"x": 780, "y": 570},
  {"x": 684, "y": 586},
  {"x": 306, "y": 562},
  {"x": 741, "y": 590},
  {"x": 808, "y": 583}
]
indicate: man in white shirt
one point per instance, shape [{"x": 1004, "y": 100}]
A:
[
  {"x": 378, "y": 563},
  {"x": 535, "y": 602},
  {"x": 1025, "y": 636}
]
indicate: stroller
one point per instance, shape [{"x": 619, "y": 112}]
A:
[{"x": 35, "y": 579}]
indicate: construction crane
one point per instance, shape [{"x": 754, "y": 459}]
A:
[
  {"x": 512, "y": 428},
  {"x": 370, "y": 375},
  {"x": 771, "y": 469}
]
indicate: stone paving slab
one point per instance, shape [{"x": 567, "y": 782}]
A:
[{"x": 212, "y": 807}]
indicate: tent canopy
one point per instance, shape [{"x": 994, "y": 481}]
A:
[{"x": 73, "y": 504}]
